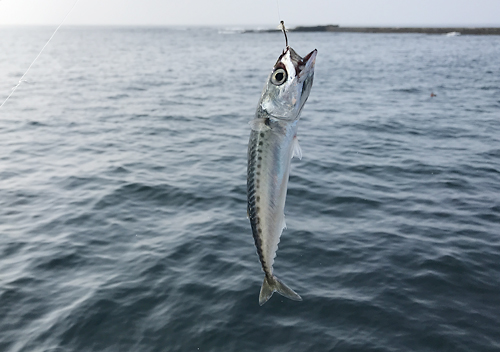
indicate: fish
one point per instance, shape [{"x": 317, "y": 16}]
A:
[{"x": 273, "y": 142}]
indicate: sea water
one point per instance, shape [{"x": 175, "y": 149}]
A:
[{"x": 123, "y": 222}]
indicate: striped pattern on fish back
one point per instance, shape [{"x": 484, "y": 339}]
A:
[{"x": 252, "y": 184}]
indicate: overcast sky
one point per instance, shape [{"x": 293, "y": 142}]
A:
[{"x": 246, "y": 13}]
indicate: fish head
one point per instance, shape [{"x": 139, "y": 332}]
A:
[{"x": 289, "y": 85}]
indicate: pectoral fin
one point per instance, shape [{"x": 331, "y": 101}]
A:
[
  {"x": 296, "y": 148},
  {"x": 258, "y": 125}
]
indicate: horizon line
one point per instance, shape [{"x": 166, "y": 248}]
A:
[{"x": 270, "y": 26}]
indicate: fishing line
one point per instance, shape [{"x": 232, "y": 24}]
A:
[
  {"x": 278, "y": 6},
  {"x": 36, "y": 58},
  {"x": 282, "y": 23}
]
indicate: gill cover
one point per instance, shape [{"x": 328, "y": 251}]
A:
[{"x": 288, "y": 86}]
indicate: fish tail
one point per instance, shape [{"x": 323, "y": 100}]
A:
[{"x": 273, "y": 284}]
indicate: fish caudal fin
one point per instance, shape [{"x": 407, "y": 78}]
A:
[{"x": 269, "y": 286}]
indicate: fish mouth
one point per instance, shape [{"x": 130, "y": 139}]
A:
[
  {"x": 302, "y": 65},
  {"x": 311, "y": 57},
  {"x": 306, "y": 65}
]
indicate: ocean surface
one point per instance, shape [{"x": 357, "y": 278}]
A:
[{"x": 123, "y": 222}]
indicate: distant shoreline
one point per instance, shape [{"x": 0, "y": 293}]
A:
[{"x": 424, "y": 30}]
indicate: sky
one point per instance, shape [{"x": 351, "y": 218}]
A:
[{"x": 245, "y": 13}]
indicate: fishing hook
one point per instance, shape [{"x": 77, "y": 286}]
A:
[{"x": 283, "y": 28}]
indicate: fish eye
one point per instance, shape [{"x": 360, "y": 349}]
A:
[{"x": 279, "y": 77}]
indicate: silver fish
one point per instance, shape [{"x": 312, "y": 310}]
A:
[{"x": 273, "y": 143}]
